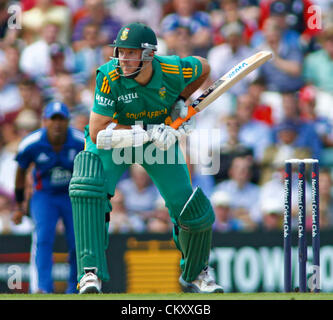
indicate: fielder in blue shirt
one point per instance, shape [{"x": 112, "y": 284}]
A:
[{"x": 51, "y": 150}]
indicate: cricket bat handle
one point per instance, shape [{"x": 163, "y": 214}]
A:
[{"x": 177, "y": 123}]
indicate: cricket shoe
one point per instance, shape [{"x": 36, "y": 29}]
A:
[
  {"x": 204, "y": 283},
  {"x": 90, "y": 283}
]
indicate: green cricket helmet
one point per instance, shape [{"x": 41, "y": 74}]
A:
[{"x": 136, "y": 36}]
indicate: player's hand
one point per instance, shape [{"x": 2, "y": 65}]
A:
[
  {"x": 187, "y": 127},
  {"x": 104, "y": 139},
  {"x": 179, "y": 109},
  {"x": 163, "y": 136},
  {"x": 110, "y": 138},
  {"x": 17, "y": 216}
]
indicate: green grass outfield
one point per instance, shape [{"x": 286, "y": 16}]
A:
[{"x": 172, "y": 296}]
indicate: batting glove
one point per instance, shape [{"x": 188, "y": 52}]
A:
[{"x": 163, "y": 136}]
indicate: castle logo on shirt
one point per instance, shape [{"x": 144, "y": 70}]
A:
[
  {"x": 102, "y": 101},
  {"x": 127, "y": 98}
]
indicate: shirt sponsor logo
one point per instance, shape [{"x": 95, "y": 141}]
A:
[
  {"x": 127, "y": 98},
  {"x": 102, "y": 101},
  {"x": 42, "y": 158},
  {"x": 148, "y": 114},
  {"x": 60, "y": 176}
]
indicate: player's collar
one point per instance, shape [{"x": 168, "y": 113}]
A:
[{"x": 154, "y": 83}]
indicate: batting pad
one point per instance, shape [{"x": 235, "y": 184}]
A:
[
  {"x": 89, "y": 205},
  {"x": 195, "y": 234}
]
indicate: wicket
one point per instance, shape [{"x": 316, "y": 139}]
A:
[{"x": 302, "y": 246}]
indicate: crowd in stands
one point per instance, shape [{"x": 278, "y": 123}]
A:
[{"x": 282, "y": 110}]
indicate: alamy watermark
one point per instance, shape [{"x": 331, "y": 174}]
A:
[
  {"x": 15, "y": 277},
  {"x": 314, "y": 21},
  {"x": 15, "y": 16},
  {"x": 201, "y": 149},
  {"x": 314, "y": 279}
]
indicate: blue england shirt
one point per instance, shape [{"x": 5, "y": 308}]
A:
[{"x": 53, "y": 170}]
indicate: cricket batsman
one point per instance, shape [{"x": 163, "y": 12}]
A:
[{"x": 138, "y": 94}]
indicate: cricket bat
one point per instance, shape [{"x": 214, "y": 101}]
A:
[{"x": 223, "y": 84}]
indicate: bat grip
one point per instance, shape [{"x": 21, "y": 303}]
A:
[{"x": 190, "y": 113}]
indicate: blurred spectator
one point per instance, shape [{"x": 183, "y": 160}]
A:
[
  {"x": 325, "y": 200},
  {"x": 73, "y": 5},
  {"x": 298, "y": 15},
  {"x": 284, "y": 148},
  {"x": 48, "y": 82},
  {"x": 253, "y": 133},
  {"x": 120, "y": 220},
  {"x": 12, "y": 58},
  {"x": 27, "y": 120},
  {"x": 225, "y": 56},
  {"x": 272, "y": 211},
  {"x": 148, "y": 12},
  {"x": 3, "y": 18},
  {"x": 318, "y": 65},
  {"x": 5, "y": 213},
  {"x": 224, "y": 220},
  {"x": 10, "y": 99},
  {"x": 67, "y": 91},
  {"x": 31, "y": 95},
  {"x": 79, "y": 121},
  {"x": 44, "y": 12},
  {"x": 36, "y": 58},
  {"x": 86, "y": 93},
  {"x": 6, "y": 225},
  {"x": 7, "y": 164},
  {"x": 231, "y": 148},
  {"x": 283, "y": 72},
  {"x": 96, "y": 13},
  {"x": 182, "y": 42},
  {"x": 229, "y": 11},
  {"x": 186, "y": 16},
  {"x": 205, "y": 181},
  {"x": 89, "y": 53},
  {"x": 308, "y": 113},
  {"x": 279, "y": 12},
  {"x": 262, "y": 111},
  {"x": 244, "y": 194},
  {"x": 159, "y": 221},
  {"x": 274, "y": 189},
  {"x": 307, "y": 136},
  {"x": 11, "y": 133},
  {"x": 317, "y": 70},
  {"x": 139, "y": 192}
]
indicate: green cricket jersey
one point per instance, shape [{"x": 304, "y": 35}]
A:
[{"x": 127, "y": 101}]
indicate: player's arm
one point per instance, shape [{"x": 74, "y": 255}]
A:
[
  {"x": 196, "y": 84},
  {"x": 97, "y": 122},
  {"x": 196, "y": 70},
  {"x": 195, "y": 73},
  {"x": 20, "y": 179}
]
